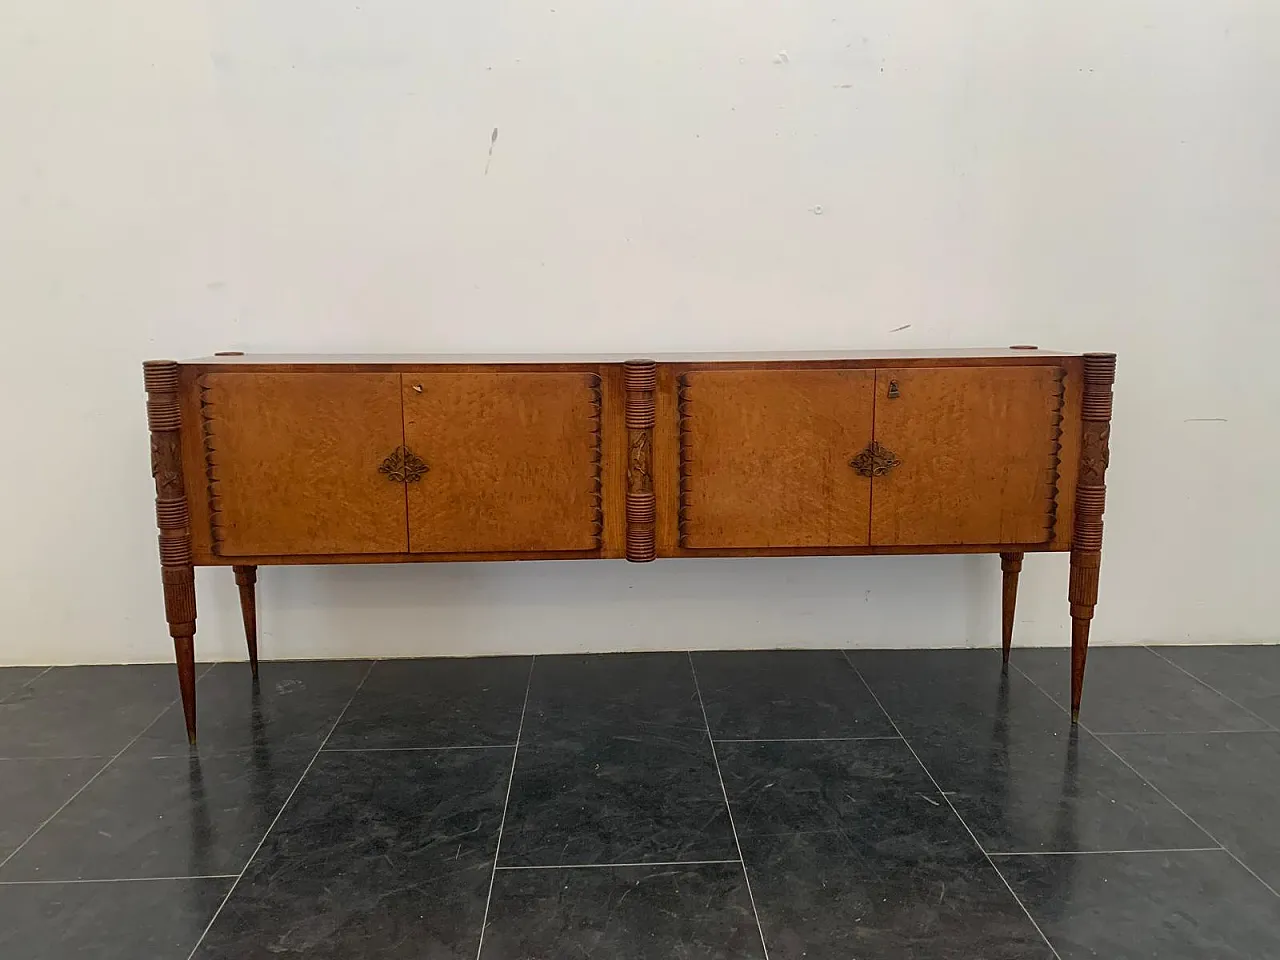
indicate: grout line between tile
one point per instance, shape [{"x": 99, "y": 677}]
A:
[
  {"x": 609, "y": 866},
  {"x": 506, "y": 803},
  {"x": 156, "y": 719},
  {"x": 87, "y": 756},
  {"x": 746, "y": 876},
  {"x": 478, "y": 746},
  {"x": 1091, "y": 853},
  {"x": 23, "y": 686},
  {"x": 806, "y": 739},
  {"x": 1270, "y": 726},
  {"x": 46, "y": 883},
  {"x": 947, "y": 797},
  {"x": 279, "y": 813},
  {"x": 1174, "y": 733},
  {"x": 1147, "y": 733},
  {"x": 1166, "y": 798}
]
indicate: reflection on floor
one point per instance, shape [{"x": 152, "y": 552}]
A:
[{"x": 816, "y": 804}]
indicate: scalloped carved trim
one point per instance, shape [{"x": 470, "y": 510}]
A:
[
  {"x": 596, "y": 386},
  {"x": 684, "y": 410},
  {"x": 209, "y": 436},
  {"x": 1054, "y": 475}
]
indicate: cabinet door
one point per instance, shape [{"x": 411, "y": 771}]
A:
[
  {"x": 293, "y": 463},
  {"x": 977, "y": 452},
  {"x": 513, "y": 461},
  {"x": 765, "y": 458}
]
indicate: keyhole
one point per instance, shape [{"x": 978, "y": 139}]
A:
[{"x": 893, "y": 390}]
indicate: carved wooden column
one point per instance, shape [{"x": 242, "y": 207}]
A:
[
  {"x": 640, "y": 380},
  {"x": 1010, "y": 567},
  {"x": 1091, "y": 495},
  {"x": 164, "y": 418},
  {"x": 246, "y": 578}
]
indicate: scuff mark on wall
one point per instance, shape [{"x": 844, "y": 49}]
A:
[
  {"x": 905, "y": 326},
  {"x": 493, "y": 142}
]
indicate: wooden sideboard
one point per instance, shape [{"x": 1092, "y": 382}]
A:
[{"x": 388, "y": 459}]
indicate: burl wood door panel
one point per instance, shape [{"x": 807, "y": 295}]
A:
[
  {"x": 765, "y": 458},
  {"x": 514, "y": 461},
  {"x": 978, "y": 451},
  {"x": 293, "y": 463}
]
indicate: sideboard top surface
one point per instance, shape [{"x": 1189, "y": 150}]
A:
[{"x": 392, "y": 360}]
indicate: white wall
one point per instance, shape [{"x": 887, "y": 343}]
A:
[{"x": 181, "y": 176}]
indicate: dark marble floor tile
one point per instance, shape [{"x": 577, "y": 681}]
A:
[
  {"x": 31, "y": 791},
  {"x": 1227, "y": 782},
  {"x": 1005, "y": 753},
  {"x": 441, "y": 702},
  {"x": 959, "y": 690},
  {"x": 292, "y": 707},
  {"x": 820, "y": 896},
  {"x": 626, "y": 693},
  {"x": 291, "y": 909},
  {"x": 1028, "y": 789},
  {"x": 1250, "y": 675},
  {"x": 872, "y": 789},
  {"x": 13, "y": 679},
  {"x": 616, "y": 800},
  {"x": 411, "y": 805},
  {"x": 84, "y": 711},
  {"x": 156, "y": 920},
  {"x": 167, "y": 817},
  {"x": 786, "y": 694},
  {"x": 626, "y": 913},
  {"x": 381, "y": 855},
  {"x": 1175, "y": 906},
  {"x": 1131, "y": 690}
]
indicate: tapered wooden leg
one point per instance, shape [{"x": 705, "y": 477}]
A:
[
  {"x": 1010, "y": 566},
  {"x": 184, "y": 649},
  {"x": 246, "y": 577},
  {"x": 164, "y": 418},
  {"x": 1079, "y": 653},
  {"x": 1091, "y": 497}
]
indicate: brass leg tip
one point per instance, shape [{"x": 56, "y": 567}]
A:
[{"x": 1075, "y": 716}]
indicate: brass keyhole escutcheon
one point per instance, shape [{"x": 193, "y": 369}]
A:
[
  {"x": 893, "y": 390},
  {"x": 875, "y": 461}
]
